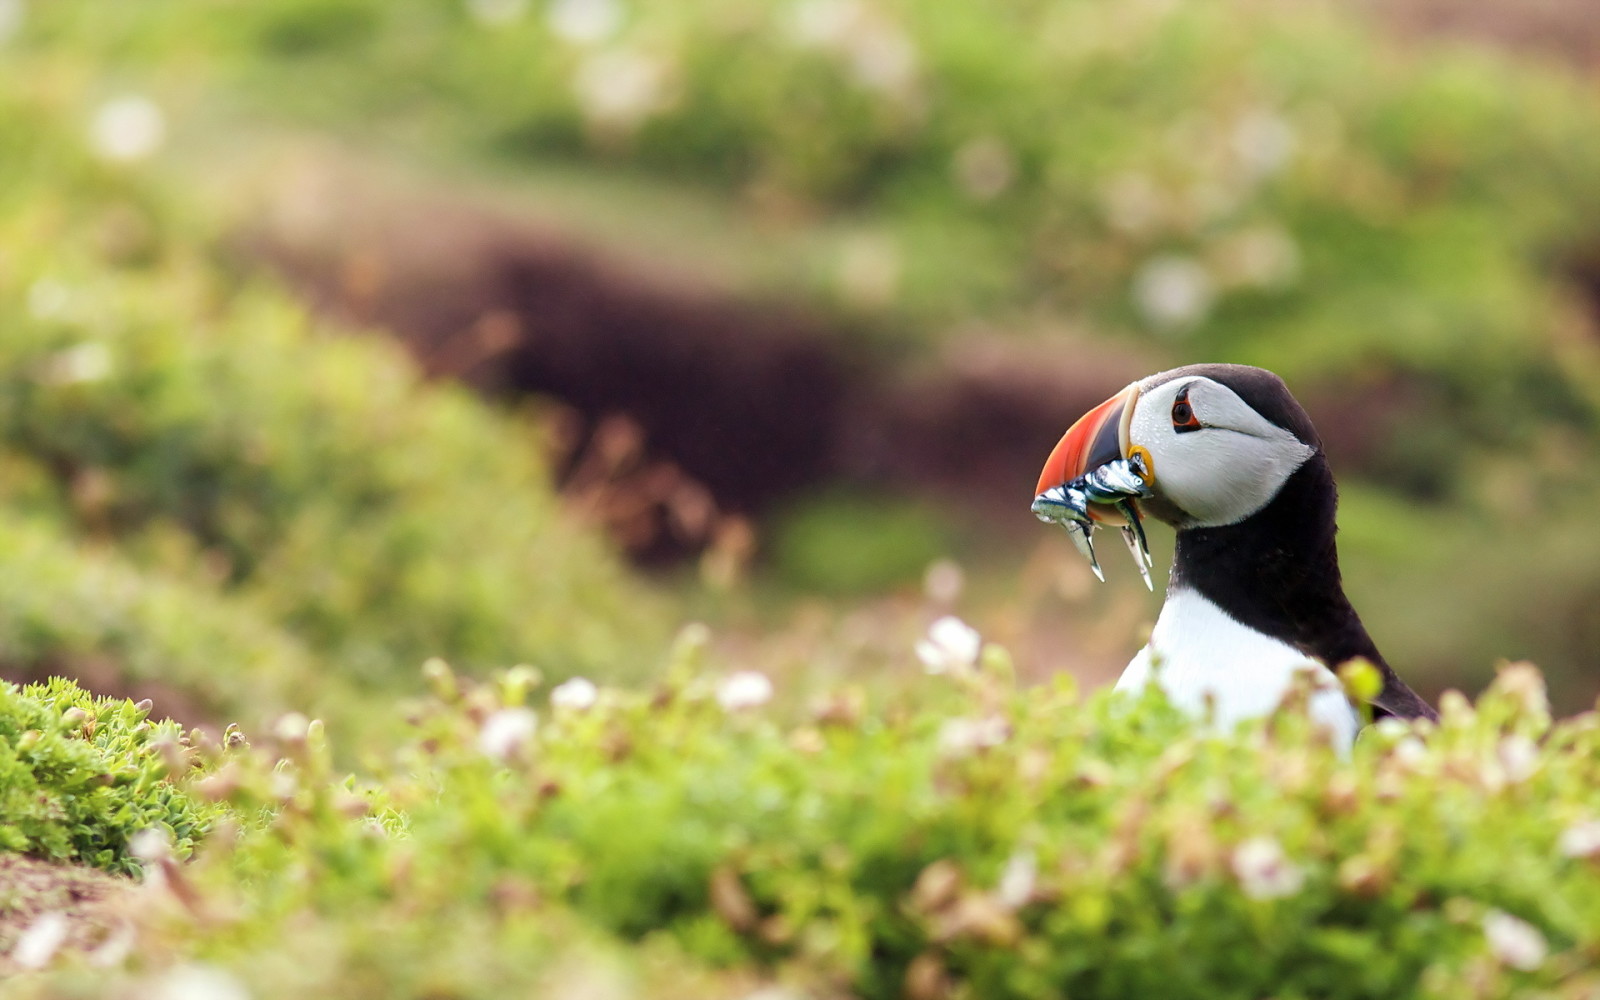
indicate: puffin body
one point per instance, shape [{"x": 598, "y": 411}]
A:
[
  {"x": 1205, "y": 660},
  {"x": 1226, "y": 455}
]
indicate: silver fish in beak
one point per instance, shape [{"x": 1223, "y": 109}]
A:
[{"x": 1090, "y": 480}]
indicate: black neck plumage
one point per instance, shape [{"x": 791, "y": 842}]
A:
[{"x": 1277, "y": 572}]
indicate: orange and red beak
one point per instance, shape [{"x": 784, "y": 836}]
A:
[{"x": 1100, "y": 436}]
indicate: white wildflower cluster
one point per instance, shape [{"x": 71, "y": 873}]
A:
[
  {"x": 961, "y": 736},
  {"x": 78, "y": 365},
  {"x": 1263, "y": 143},
  {"x": 619, "y": 88},
  {"x": 575, "y": 695},
  {"x": 1263, "y": 256},
  {"x": 585, "y": 22},
  {"x": 127, "y": 129},
  {"x": 1581, "y": 840},
  {"x": 869, "y": 269},
  {"x": 1519, "y": 756},
  {"x": 1017, "y": 879},
  {"x": 877, "y": 52},
  {"x": 1173, "y": 292},
  {"x": 39, "y": 941},
  {"x": 11, "y": 15},
  {"x": 1514, "y": 941},
  {"x": 506, "y": 733},
  {"x": 197, "y": 981},
  {"x": 951, "y": 647},
  {"x": 1264, "y": 871},
  {"x": 743, "y": 690}
]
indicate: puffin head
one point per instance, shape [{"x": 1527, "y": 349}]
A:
[{"x": 1212, "y": 443}]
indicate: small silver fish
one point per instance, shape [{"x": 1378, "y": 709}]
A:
[{"x": 1116, "y": 484}]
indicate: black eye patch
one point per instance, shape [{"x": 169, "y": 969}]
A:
[{"x": 1183, "y": 416}]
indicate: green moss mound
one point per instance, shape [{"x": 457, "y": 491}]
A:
[{"x": 81, "y": 776}]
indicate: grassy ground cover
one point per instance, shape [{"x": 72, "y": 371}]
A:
[{"x": 965, "y": 838}]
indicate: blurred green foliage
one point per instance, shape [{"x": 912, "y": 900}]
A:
[
  {"x": 1393, "y": 227},
  {"x": 853, "y": 543},
  {"x": 1252, "y": 179},
  {"x": 968, "y": 839},
  {"x": 381, "y": 520},
  {"x": 81, "y": 776},
  {"x": 288, "y": 502},
  {"x": 72, "y": 611}
]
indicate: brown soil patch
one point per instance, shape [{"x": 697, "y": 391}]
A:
[
  {"x": 31, "y": 891},
  {"x": 684, "y": 404}
]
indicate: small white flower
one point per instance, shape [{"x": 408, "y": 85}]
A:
[
  {"x": 49, "y": 299},
  {"x": 197, "y": 982},
  {"x": 952, "y": 646},
  {"x": 1392, "y": 727},
  {"x": 1260, "y": 257},
  {"x": 1410, "y": 752},
  {"x": 1519, "y": 756},
  {"x": 742, "y": 690},
  {"x": 1515, "y": 942},
  {"x": 1173, "y": 292},
  {"x": 584, "y": 21},
  {"x": 943, "y": 581},
  {"x": 620, "y": 87},
  {"x": 868, "y": 269},
  {"x": 576, "y": 694},
  {"x": 883, "y": 59},
  {"x": 150, "y": 845},
  {"x": 506, "y": 732},
  {"x": 824, "y": 23},
  {"x": 1264, "y": 143},
  {"x": 963, "y": 736},
  {"x": 11, "y": 13},
  {"x": 90, "y": 362},
  {"x": 292, "y": 727},
  {"x": 1017, "y": 880},
  {"x": 497, "y": 12},
  {"x": 37, "y": 945},
  {"x": 1581, "y": 840},
  {"x": 127, "y": 128},
  {"x": 1264, "y": 872}
]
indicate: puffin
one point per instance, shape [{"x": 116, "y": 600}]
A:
[{"x": 1225, "y": 455}]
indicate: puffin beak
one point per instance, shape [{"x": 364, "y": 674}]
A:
[
  {"x": 1094, "y": 476},
  {"x": 1099, "y": 438}
]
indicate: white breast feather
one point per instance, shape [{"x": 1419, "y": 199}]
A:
[{"x": 1197, "y": 650}]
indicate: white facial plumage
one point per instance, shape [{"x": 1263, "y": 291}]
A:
[{"x": 1229, "y": 468}]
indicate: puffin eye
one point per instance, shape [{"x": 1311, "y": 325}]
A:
[{"x": 1183, "y": 418}]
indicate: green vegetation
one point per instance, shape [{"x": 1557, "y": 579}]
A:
[
  {"x": 291, "y": 509},
  {"x": 1393, "y": 228},
  {"x": 81, "y": 776},
  {"x": 1263, "y": 181},
  {"x": 379, "y": 520},
  {"x": 968, "y": 839}
]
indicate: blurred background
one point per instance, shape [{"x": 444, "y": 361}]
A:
[{"x": 339, "y": 334}]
